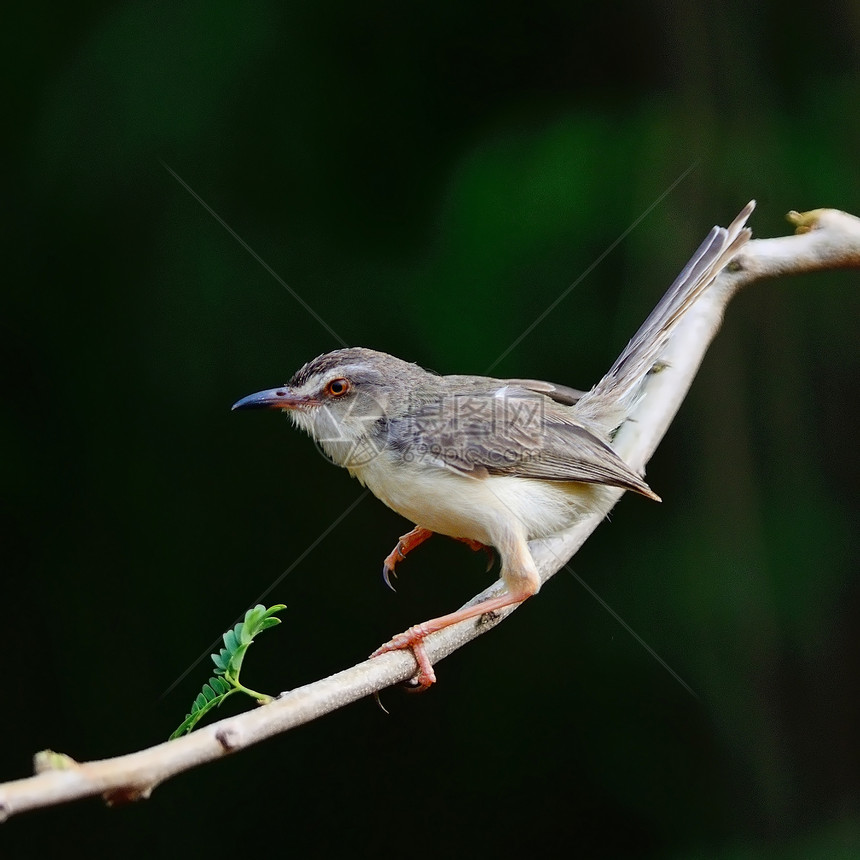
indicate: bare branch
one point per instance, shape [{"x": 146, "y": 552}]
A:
[{"x": 825, "y": 239}]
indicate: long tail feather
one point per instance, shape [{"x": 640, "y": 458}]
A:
[{"x": 609, "y": 402}]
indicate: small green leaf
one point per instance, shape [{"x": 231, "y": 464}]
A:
[
  {"x": 219, "y": 685},
  {"x": 252, "y": 616},
  {"x": 224, "y": 659},
  {"x": 228, "y": 662},
  {"x": 230, "y": 641}
]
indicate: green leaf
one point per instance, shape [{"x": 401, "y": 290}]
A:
[
  {"x": 228, "y": 662},
  {"x": 208, "y": 692},
  {"x": 230, "y": 641},
  {"x": 219, "y": 685}
]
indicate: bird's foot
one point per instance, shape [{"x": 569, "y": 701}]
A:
[
  {"x": 413, "y": 639},
  {"x": 415, "y": 538},
  {"x": 405, "y": 545}
]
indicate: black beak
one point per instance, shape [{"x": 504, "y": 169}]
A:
[{"x": 274, "y": 398}]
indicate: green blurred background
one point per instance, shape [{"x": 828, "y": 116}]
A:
[{"x": 429, "y": 178}]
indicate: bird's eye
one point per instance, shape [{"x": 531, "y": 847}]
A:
[{"x": 337, "y": 387}]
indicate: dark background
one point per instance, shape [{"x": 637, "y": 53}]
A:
[{"x": 429, "y": 178}]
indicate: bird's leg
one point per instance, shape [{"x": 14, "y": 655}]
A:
[
  {"x": 405, "y": 545},
  {"x": 521, "y": 584},
  {"x": 414, "y": 637},
  {"x": 417, "y": 536}
]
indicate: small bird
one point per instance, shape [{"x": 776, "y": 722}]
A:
[{"x": 491, "y": 462}]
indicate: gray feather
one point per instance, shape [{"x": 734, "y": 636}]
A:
[
  {"x": 610, "y": 401},
  {"x": 510, "y": 430}
]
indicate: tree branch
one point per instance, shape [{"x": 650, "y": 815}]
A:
[{"x": 825, "y": 239}]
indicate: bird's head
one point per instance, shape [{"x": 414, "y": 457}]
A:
[{"x": 343, "y": 400}]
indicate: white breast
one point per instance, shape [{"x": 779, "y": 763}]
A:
[{"x": 482, "y": 509}]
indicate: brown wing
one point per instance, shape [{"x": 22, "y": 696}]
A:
[
  {"x": 569, "y": 452},
  {"x": 510, "y": 431}
]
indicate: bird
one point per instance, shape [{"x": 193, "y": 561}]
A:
[{"x": 495, "y": 463}]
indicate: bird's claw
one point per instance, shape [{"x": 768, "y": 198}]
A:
[
  {"x": 391, "y": 560},
  {"x": 404, "y": 546},
  {"x": 387, "y": 572},
  {"x": 491, "y": 557},
  {"x": 413, "y": 639}
]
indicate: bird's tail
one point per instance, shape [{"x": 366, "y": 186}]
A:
[{"x": 609, "y": 403}]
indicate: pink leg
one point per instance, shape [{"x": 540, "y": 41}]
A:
[
  {"x": 415, "y": 538},
  {"x": 405, "y": 545},
  {"x": 414, "y": 637}
]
